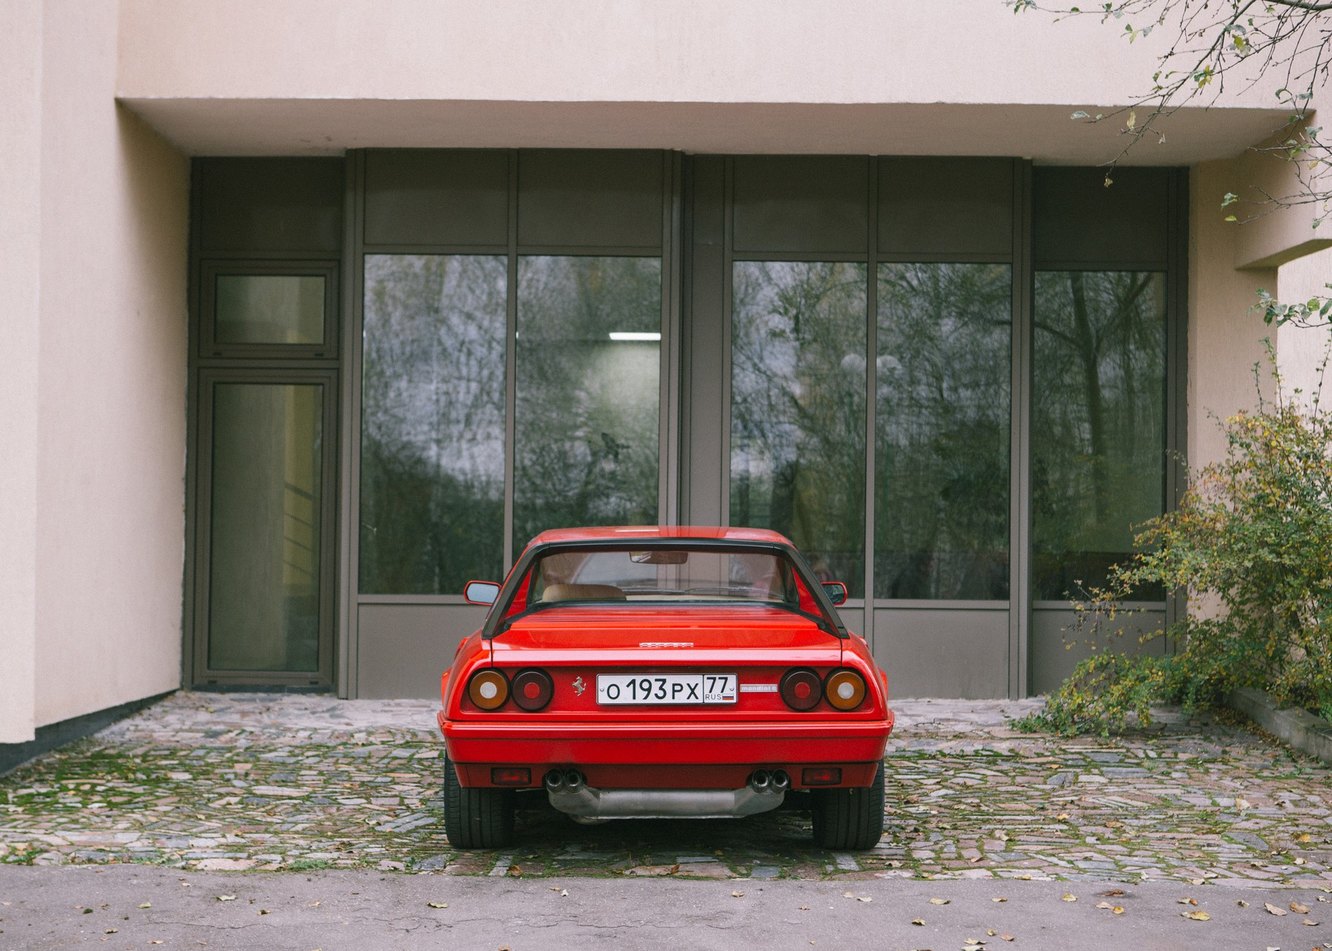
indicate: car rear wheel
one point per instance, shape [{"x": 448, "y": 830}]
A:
[
  {"x": 849, "y": 818},
  {"x": 476, "y": 818}
]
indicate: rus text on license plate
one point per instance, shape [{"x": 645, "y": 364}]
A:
[{"x": 666, "y": 688}]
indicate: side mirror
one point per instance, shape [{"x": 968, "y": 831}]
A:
[
  {"x": 481, "y": 592},
  {"x": 835, "y": 590}
]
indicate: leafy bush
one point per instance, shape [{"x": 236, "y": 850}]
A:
[{"x": 1253, "y": 533}]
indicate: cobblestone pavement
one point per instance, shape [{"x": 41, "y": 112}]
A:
[{"x": 261, "y": 781}]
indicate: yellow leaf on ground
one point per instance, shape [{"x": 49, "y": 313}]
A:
[{"x": 1196, "y": 915}]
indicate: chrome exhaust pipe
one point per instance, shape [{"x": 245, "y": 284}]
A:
[
  {"x": 759, "y": 780},
  {"x": 554, "y": 779},
  {"x": 780, "y": 781},
  {"x": 573, "y": 779}
]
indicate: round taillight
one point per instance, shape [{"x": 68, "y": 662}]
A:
[
  {"x": 801, "y": 689},
  {"x": 845, "y": 689},
  {"x": 488, "y": 689},
  {"x": 532, "y": 689}
]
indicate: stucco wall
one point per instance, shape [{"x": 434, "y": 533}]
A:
[
  {"x": 20, "y": 177},
  {"x": 1224, "y": 333},
  {"x": 110, "y": 260},
  {"x": 1303, "y": 352}
]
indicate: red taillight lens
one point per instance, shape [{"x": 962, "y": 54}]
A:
[
  {"x": 845, "y": 689},
  {"x": 801, "y": 689},
  {"x": 488, "y": 689},
  {"x": 532, "y": 689}
]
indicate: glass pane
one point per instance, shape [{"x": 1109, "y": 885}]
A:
[
  {"x": 432, "y": 423},
  {"x": 263, "y": 608},
  {"x": 588, "y": 401},
  {"x": 942, "y": 431},
  {"x": 1098, "y": 422},
  {"x": 269, "y": 308},
  {"x": 798, "y": 409}
]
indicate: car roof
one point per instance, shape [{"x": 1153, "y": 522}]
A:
[{"x": 682, "y": 532}]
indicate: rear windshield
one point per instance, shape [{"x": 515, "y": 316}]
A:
[{"x": 672, "y": 574}]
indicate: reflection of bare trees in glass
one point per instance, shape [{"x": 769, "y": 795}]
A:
[
  {"x": 942, "y": 431},
  {"x": 1098, "y": 421},
  {"x": 432, "y": 422},
  {"x": 586, "y": 439},
  {"x": 798, "y": 408}
]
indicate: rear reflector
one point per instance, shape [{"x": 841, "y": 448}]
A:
[
  {"x": 821, "y": 775},
  {"x": 510, "y": 775}
]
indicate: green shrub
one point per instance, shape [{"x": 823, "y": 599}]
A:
[{"x": 1254, "y": 533}]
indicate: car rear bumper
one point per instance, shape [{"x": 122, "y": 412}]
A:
[{"x": 697, "y": 755}]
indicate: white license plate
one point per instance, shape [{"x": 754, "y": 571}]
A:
[{"x": 665, "y": 688}]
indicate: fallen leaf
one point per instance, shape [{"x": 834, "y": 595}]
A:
[
  {"x": 863, "y": 898},
  {"x": 226, "y": 897},
  {"x": 1196, "y": 915},
  {"x": 1310, "y": 922},
  {"x": 1005, "y": 937},
  {"x": 1298, "y": 908},
  {"x": 939, "y": 901},
  {"x": 737, "y": 894},
  {"x": 146, "y": 904},
  {"x": 918, "y": 922},
  {"x": 564, "y": 893},
  {"x": 1186, "y": 901},
  {"x": 516, "y": 871},
  {"x": 1243, "y": 804},
  {"x": 1305, "y": 837},
  {"x": 1113, "y": 893},
  {"x": 1274, "y": 909},
  {"x": 998, "y": 900},
  {"x": 437, "y": 904},
  {"x": 1068, "y": 896},
  {"x": 1241, "y": 902},
  {"x": 1298, "y": 860}
]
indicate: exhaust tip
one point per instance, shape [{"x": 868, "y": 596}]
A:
[
  {"x": 759, "y": 780},
  {"x": 554, "y": 779},
  {"x": 780, "y": 780},
  {"x": 573, "y": 779}
]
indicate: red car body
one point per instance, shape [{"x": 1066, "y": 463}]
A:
[{"x": 655, "y": 672}]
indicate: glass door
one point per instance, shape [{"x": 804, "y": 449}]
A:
[{"x": 265, "y": 608}]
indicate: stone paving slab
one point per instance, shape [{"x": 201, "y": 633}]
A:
[{"x": 240, "y": 782}]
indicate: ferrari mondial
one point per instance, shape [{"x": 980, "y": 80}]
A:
[{"x": 663, "y": 673}]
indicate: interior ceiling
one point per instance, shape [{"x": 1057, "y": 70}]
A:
[{"x": 1045, "y": 133}]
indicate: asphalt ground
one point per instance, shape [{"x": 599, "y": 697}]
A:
[{"x": 346, "y": 793}]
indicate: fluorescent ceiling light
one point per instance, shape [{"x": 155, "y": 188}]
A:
[{"x": 634, "y": 335}]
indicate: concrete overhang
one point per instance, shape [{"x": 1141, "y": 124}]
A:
[{"x": 1045, "y": 133}]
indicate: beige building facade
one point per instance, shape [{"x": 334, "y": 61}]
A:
[{"x": 351, "y": 170}]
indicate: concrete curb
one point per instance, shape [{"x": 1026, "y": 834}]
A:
[{"x": 1300, "y": 728}]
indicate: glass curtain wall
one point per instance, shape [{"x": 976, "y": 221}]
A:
[
  {"x": 942, "y": 421},
  {"x": 798, "y": 409},
  {"x": 432, "y": 423},
  {"x": 584, "y": 440},
  {"x": 1098, "y": 413}
]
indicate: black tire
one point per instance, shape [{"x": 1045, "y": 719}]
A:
[
  {"x": 476, "y": 818},
  {"x": 849, "y": 819}
]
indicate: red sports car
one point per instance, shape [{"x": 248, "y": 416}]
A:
[{"x": 663, "y": 672}]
